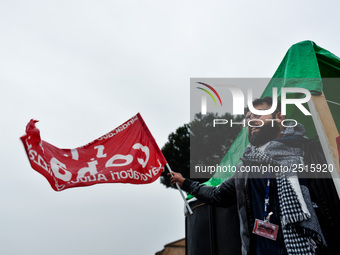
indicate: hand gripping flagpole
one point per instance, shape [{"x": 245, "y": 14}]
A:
[{"x": 181, "y": 192}]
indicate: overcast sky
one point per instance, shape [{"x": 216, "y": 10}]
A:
[{"x": 84, "y": 67}]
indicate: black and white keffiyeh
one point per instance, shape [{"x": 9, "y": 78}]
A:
[{"x": 300, "y": 227}]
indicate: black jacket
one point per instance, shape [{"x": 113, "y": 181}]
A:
[{"x": 234, "y": 190}]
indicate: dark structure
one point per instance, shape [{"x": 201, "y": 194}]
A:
[{"x": 212, "y": 230}]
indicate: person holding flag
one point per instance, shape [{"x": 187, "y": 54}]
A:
[{"x": 275, "y": 209}]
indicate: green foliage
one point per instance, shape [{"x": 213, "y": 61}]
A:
[
  {"x": 177, "y": 153},
  {"x": 212, "y": 147}
]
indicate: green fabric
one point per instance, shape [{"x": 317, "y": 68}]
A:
[
  {"x": 304, "y": 66},
  {"x": 232, "y": 158}
]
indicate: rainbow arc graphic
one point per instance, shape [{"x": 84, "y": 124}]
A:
[{"x": 204, "y": 99}]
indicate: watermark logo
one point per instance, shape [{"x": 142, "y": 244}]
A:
[
  {"x": 239, "y": 99},
  {"x": 204, "y": 98},
  {"x": 225, "y": 109}
]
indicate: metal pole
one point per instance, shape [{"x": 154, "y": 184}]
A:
[{"x": 181, "y": 192}]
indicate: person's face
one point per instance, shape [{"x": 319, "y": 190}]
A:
[{"x": 257, "y": 134}]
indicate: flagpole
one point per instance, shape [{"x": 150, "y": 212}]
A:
[
  {"x": 327, "y": 133},
  {"x": 181, "y": 192}
]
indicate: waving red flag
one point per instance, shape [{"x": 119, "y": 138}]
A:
[{"x": 127, "y": 154}]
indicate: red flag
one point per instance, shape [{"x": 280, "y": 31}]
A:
[{"x": 127, "y": 154}]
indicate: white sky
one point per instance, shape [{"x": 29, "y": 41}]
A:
[{"x": 84, "y": 67}]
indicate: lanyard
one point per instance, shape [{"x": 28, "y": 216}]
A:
[{"x": 266, "y": 200}]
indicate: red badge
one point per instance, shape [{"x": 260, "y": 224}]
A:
[{"x": 265, "y": 229}]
